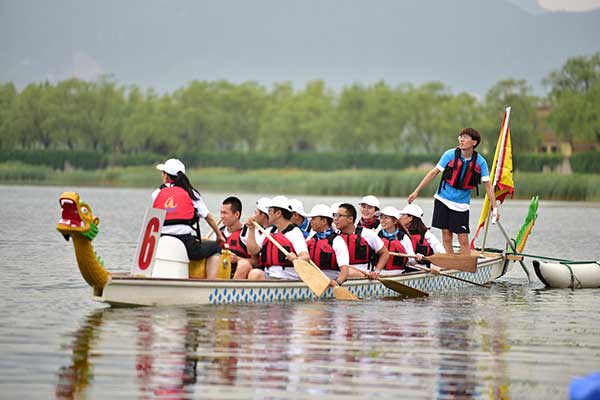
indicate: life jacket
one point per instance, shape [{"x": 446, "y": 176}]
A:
[
  {"x": 395, "y": 246},
  {"x": 372, "y": 224},
  {"x": 420, "y": 245},
  {"x": 321, "y": 252},
  {"x": 179, "y": 206},
  {"x": 270, "y": 254},
  {"x": 359, "y": 250},
  {"x": 452, "y": 172},
  {"x": 235, "y": 244}
]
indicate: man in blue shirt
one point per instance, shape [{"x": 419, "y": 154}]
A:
[{"x": 463, "y": 169}]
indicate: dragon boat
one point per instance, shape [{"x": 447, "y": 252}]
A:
[{"x": 128, "y": 289}]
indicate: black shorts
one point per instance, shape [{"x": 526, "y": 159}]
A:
[
  {"x": 445, "y": 218},
  {"x": 198, "y": 250}
]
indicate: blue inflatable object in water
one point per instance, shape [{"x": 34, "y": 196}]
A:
[{"x": 585, "y": 388}]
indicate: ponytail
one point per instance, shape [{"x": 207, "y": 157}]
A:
[{"x": 183, "y": 182}]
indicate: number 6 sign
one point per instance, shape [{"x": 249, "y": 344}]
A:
[{"x": 149, "y": 234}]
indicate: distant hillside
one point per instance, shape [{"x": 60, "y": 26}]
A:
[{"x": 468, "y": 44}]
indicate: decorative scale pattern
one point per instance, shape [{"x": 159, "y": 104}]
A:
[{"x": 429, "y": 283}]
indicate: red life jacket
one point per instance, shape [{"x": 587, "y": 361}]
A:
[
  {"x": 179, "y": 206},
  {"x": 270, "y": 255},
  {"x": 420, "y": 245},
  {"x": 321, "y": 252},
  {"x": 235, "y": 244},
  {"x": 358, "y": 248},
  {"x": 395, "y": 246},
  {"x": 371, "y": 224},
  {"x": 451, "y": 174}
]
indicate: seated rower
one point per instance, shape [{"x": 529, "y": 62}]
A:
[
  {"x": 396, "y": 240},
  {"x": 363, "y": 244},
  {"x": 261, "y": 216},
  {"x": 326, "y": 248},
  {"x": 235, "y": 234},
  {"x": 299, "y": 217},
  {"x": 369, "y": 205},
  {"x": 423, "y": 241},
  {"x": 184, "y": 207},
  {"x": 272, "y": 263}
]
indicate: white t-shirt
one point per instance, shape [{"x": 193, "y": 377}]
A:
[
  {"x": 434, "y": 242},
  {"x": 296, "y": 237},
  {"x": 182, "y": 229}
]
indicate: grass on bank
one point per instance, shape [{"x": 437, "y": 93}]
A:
[{"x": 584, "y": 187}]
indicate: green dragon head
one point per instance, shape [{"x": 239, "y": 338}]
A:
[{"x": 77, "y": 217}]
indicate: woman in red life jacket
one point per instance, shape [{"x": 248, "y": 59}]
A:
[
  {"x": 327, "y": 249},
  {"x": 184, "y": 207},
  {"x": 396, "y": 240},
  {"x": 369, "y": 206},
  {"x": 423, "y": 241}
]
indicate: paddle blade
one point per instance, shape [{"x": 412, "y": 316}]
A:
[
  {"x": 453, "y": 261},
  {"x": 314, "y": 278},
  {"x": 342, "y": 293},
  {"x": 402, "y": 289}
]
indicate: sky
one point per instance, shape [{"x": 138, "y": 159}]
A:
[{"x": 569, "y": 5}]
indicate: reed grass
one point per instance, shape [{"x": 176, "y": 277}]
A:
[{"x": 582, "y": 187}]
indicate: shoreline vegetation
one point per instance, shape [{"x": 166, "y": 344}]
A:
[{"x": 356, "y": 182}]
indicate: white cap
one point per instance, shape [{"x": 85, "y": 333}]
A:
[
  {"x": 321, "y": 210},
  {"x": 370, "y": 200},
  {"x": 413, "y": 209},
  {"x": 389, "y": 211},
  {"x": 281, "y": 202},
  {"x": 262, "y": 204},
  {"x": 172, "y": 166},
  {"x": 297, "y": 207}
]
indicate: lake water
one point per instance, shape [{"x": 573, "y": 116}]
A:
[{"x": 514, "y": 341}]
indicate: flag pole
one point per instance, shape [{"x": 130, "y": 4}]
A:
[{"x": 487, "y": 225}]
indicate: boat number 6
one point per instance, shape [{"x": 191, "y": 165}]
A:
[{"x": 148, "y": 243}]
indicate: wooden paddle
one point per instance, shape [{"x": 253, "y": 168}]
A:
[
  {"x": 310, "y": 274},
  {"x": 400, "y": 288},
  {"x": 448, "y": 261},
  {"x": 207, "y": 237},
  {"x": 425, "y": 269}
]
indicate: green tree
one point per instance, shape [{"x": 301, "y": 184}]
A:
[{"x": 8, "y": 99}]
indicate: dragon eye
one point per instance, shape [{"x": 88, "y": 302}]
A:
[{"x": 84, "y": 209}]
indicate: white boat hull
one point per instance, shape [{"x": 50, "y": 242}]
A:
[
  {"x": 564, "y": 275},
  {"x": 125, "y": 290}
]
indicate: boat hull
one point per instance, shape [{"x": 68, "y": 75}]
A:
[
  {"x": 564, "y": 275},
  {"x": 125, "y": 290}
]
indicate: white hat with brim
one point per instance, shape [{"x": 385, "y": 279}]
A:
[
  {"x": 413, "y": 209},
  {"x": 262, "y": 204},
  {"x": 280, "y": 202},
  {"x": 297, "y": 207},
  {"x": 389, "y": 211},
  {"x": 172, "y": 167},
  {"x": 321, "y": 210},
  {"x": 370, "y": 200}
]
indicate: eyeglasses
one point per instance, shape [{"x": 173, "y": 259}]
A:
[
  {"x": 464, "y": 137},
  {"x": 336, "y": 215}
]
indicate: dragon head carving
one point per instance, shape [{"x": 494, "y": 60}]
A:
[{"x": 77, "y": 217}]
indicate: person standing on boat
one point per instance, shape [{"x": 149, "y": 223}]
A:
[
  {"x": 184, "y": 207},
  {"x": 276, "y": 264},
  {"x": 369, "y": 205},
  {"x": 396, "y": 240},
  {"x": 462, "y": 169},
  {"x": 235, "y": 234},
  {"x": 327, "y": 249},
  {"x": 299, "y": 217},
  {"x": 363, "y": 244}
]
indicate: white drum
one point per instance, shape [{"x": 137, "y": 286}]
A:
[{"x": 171, "y": 259}]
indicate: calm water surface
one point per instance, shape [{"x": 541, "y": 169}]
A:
[{"x": 515, "y": 341}]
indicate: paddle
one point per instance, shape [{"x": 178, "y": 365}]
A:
[
  {"x": 448, "y": 261},
  {"x": 207, "y": 237},
  {"x": 425, "y": 269},
  {"x": 513, "y": 249},
  {"x": 310, "y": 274},
  {"x": 397, "y": 287}
]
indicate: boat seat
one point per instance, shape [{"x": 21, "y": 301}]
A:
[{"x": 171, "y": 259}]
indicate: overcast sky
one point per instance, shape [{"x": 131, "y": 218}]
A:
[{"x": 569, "y": 5}]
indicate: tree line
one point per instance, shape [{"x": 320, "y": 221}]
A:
[{"x": 103, "y": 116}]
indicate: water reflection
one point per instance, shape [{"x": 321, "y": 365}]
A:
[{"x": 270, "y": 351}]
